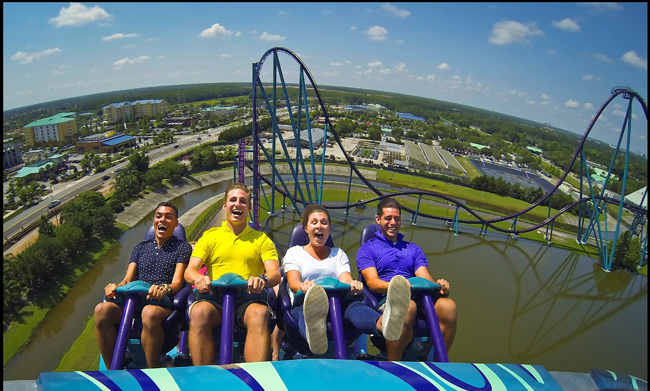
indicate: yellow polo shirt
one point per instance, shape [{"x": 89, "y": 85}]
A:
[{"x": 224, "y": 252}]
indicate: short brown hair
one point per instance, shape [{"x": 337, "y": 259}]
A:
[
  {"x": 313, "y": 208},
  {"x": 235, "y": 186},
  {"x": 169, "y": 205},
  {"x": 388, "y": 203}
]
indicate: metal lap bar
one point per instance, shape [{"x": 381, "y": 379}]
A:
[
  {"x": 124, "y": 330},
  {"x": 336, "y": 319},
  {"x": 439, "y": 348},
  {"x": 227, "y": 324}
]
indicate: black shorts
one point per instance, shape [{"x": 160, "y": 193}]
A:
[{"x": 240, "y": 308}]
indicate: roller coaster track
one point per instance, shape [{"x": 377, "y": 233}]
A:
[{"x": 626, "y": 92}]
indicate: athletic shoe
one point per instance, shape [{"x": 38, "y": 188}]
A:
[
  {"x": 315, "y": 310},
  {"x": 398, "y": 299}
]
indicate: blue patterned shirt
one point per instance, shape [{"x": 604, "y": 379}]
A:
[{"x": 157, "y": 266}]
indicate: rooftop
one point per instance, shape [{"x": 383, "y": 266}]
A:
[
  {"x": 117, "y": 140},
  {"x": 55, "y": 119}
]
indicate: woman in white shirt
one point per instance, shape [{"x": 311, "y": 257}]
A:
[{"x": 304, "y": 265}]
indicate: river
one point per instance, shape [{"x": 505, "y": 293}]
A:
[{"x": 518, "y": 301}]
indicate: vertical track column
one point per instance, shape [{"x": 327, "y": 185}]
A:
[{"x": 256, "y": 168}]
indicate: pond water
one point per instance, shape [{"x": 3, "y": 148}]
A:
[{"x": 518, "y": 302}]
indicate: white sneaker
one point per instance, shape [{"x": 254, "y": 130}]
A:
[
  {"x": 398, "y": 299},
  {"x": 315, "y": 310}
]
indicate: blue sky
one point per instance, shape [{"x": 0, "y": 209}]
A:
[{"x": 549, "y": 62}]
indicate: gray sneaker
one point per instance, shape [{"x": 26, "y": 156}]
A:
[
  {"x": 315, "y": 310},
  {"x": 398, "y": 299}
]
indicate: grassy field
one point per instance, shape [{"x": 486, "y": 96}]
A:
[
  {"x": 84, "y": 352},
  {"x": 472, "y": 172}
]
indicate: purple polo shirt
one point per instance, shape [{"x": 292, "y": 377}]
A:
[{"x": 390, "y": 259}]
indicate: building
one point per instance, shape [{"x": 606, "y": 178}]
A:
[
  {"x": 410, "y": 117},
  {"x": 316, "y": 138},
  {"x": 51, "y": 130},
  {"x": 173, "y": 121},
  {"x": 364, "y": 108},
  {"x": 475, "y": 127},
  {"x": 534, "y": 150},
  {"x": 11, "y": 155},
  {"x": 33, "y": 171},
  {"x": 109, "y": 142},
  {"x": 218, "y": 110},
  {"x": 125, "y": 111},
  {"x": 639, "y": 198},
  {"x": 478, "y": 146}
]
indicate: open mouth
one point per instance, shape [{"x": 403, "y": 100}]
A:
[
  {"x": 161, "y": 228},
  {"x": 237, "y": 212},
  {"x": 319, "y": 235}
]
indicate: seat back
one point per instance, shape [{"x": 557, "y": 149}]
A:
[
  {"x": 368, "y": 232},
  {"x": 298, "y": 237}
]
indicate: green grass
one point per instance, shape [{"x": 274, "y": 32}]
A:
[
  {"x": 84, "y": 352},
  {"x": 644, "y": 270},
  {"x": 193, "y": 229},
  {"x": 472, "y": 172},
  {"x": 20, "y": 333}
]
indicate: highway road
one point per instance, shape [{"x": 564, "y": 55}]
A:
[{"x": 69, "y": 191}]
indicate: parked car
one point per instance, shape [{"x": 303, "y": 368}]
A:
[
  {"x": 176, "y": 146},
  {"x": 117, "y": 169},
  {"x": 53, "y": 204},
  {"x": 106, "y": 177}
]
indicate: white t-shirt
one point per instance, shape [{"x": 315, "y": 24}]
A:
[{"x": 311, "y": 269}]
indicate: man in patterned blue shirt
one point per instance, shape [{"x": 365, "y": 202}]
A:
[{"x": 160, "y": 262}]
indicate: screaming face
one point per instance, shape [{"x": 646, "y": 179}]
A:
[
  {"x": 237, "y": 206},
  {"x": 164, "y": 222},
  {"x": 318, "y": 229}
]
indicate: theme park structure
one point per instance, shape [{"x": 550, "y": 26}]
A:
[
  {"x": 308, "y": 189},
  {"x": 342, "y": 372}
]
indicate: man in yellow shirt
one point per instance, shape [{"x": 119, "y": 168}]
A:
[{"x": 232, "y": 248}]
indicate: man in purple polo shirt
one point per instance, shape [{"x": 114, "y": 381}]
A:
[{"x": 388, "y": 255}]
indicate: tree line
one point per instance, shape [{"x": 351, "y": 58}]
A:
[{"x": 85, "y": 222}]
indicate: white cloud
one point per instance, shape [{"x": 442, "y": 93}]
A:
[
  {"x": 348, "y": 62},
  {"x": 118, "y": 64},
  {"x": 391, "y": 9},
  {"x": 399, "y": 41},
  {"x": 327, "y": 12},
  {"x": 330, "y": 73},
  {"x": 377, "y": 33},
  {"x": 352, "y": 28},
  {"x": 78, "y": 14},
  {"x": 602, "y": 7},
  {"x": 336, "y": 64},
  {"x": 283, "y": 13},
  {"x": 509, "y": 31},
  {"x": 93, "y": 70},
  {"x": 469, "y": 80},
  {"x": 374, "y": 64},
  {"x": 618, "y": 113},
  {"x": 456, "y": 77},
  {"x": 268, "y": 37},
  {"x": 26, "y": 58},
  {"x": 572, "y": 103},
  {"x": 633, "y": 59},
  {"x": 588, "y": 106},
  {"x": 216, "y": 30},
  {"x": 128, "y": 47},
  {"x": 358, "y": 66},
  {"x": 401, "y": 67},
  {"x": 385, "y": 71},
  {"x": 225, "y": 55},
  {"x": 58, "y": 73},
  {"x": 531, "y": 102},
  {"x": 603, "y": 58},
  {"x": 152, "y": 39},
  {"x": 64, "y": 66},
  {"x": 545, "y": 97},
  {"x": 119, "y": 36},
  {"x": 161, "y": 57},
  {"x": 567, "y": 24},
  {"x": 238, "y": 34},
  {"x": 369, "y": 71},
  {"x": 588, "y": 77},
  {"x": 419, "y": 78},
  {"x": 444, "y": 67},
  {"x": 431, "y": 77},
  {"x": 551, "y": 52}
]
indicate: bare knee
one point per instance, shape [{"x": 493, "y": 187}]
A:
[
  {"x": 204, "y": 316},
  {"x": 446, "y": 310},
  {"x": 256, "y": 316},
  {"x": 107, "y": 312},
  {"x": 153, "y": 316}
]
